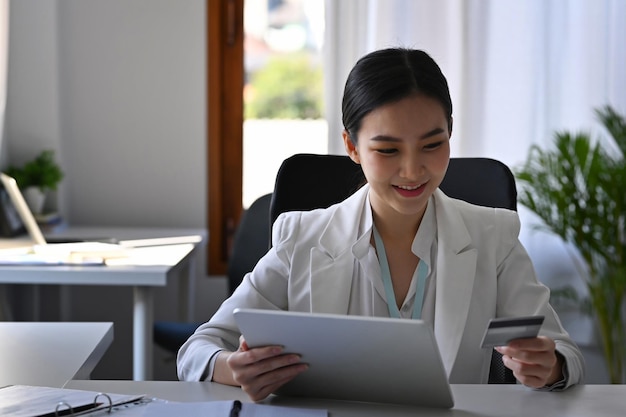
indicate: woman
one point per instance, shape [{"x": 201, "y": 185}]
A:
[{"x": 398, "y": 247}]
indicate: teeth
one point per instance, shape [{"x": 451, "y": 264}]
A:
[{"x": 408, "y": 188}]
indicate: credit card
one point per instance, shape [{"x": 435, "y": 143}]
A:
[{"x": 501, "y": 331}]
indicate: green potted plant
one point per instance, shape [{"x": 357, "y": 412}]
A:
[
  {"x": 578, "y": 189},
  {"x": 36, "y": 177}
]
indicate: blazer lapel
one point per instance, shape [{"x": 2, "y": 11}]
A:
[
  {"x": 456, "y": 268},
  {"x": 331, "y": 281},
  {"x": 332, "y": 263}
]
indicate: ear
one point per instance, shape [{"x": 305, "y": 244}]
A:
[
  {"x": 350, "y": 147},
  {"x": 450, "y": 127}
]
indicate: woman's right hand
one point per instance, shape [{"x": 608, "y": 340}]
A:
[{"x": 261, "y": 371}]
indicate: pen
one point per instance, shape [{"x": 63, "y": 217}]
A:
[{"x": 234, "y": 411}]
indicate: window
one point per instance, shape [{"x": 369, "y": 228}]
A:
[
  {"x": 270, "y": 51},
  {"x": 283, "y": 91}
]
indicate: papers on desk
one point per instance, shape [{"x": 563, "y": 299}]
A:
[
  {"x": 222, "y": 408},
  {"x": 82, "y": 249},
  {"x": 159, "y": 251},
  {"x": 80, "y": 253},
  {"x": 152, "y": 255},
  {"x": 28, "y": 257}
]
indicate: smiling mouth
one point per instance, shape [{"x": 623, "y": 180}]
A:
[
  {"x": 410, "y": 191},
  {"x": 409, "y": 187}
]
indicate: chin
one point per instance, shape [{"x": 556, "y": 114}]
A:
[{"x": 411, "y": 209}]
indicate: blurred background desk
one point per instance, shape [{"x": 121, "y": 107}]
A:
[
  {"x": 48, "y": 354},
  {"x": 470, "y": 400},
  {"x": 143, "y": 270}
]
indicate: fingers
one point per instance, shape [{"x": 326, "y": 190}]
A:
[
  {"x": 242, "y": 344},
  {"x": 530, "y": 374},
  {"x": 533, "y": 350},
  {"x": 261, "y": 371},
  {"x": 533, "y": 361},
  {"x": 537, "y": 344},
  {"x": 265, "y": 384},
  {"x": 245, "y": 356}
]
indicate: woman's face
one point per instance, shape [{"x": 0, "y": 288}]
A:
[{"x": 403, "y": 148}]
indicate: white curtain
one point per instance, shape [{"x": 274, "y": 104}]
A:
[
  {"x": 518, "y": 70},
  {"x": 356, "y": 27},
  {"x": 4, "y": 55},
  {"x": 4, "y": 50}
]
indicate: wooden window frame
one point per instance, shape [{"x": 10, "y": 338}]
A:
[{"x": 225, "y": 80}]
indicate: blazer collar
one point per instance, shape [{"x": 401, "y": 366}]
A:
[
  {"x": 343, "y": 228},
  {"x": 456, "y": 271},
  {"x": 332, "y": 263},
  {"x": 451, "y": 227}
]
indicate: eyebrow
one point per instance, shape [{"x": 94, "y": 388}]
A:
[{"x": 387, "y": 138}]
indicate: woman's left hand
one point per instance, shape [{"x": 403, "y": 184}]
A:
[{"x": 534, "y": 361}]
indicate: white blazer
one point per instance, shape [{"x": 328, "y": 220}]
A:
[{"x": 483, "y": 272}]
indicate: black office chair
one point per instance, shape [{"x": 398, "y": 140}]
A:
[
  {"x": 308, "y": 181},
  {"x": 251, "y": 241}
]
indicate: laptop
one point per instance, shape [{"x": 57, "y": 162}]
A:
[
  {"x": 354, "y": 358},
  {"x": 81, "y": 251},
  {"x": 84, "y": 252}
]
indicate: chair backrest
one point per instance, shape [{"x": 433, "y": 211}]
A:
[
  {"x": 309, "y": 181},
  {"x": 251, "y": 240}
]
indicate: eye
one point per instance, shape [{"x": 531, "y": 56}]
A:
[
  {"x": 386, "y": 151},
  {"x": 433, "y": 145}
]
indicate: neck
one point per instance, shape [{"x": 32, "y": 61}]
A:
[
  {"x": 393, "y": 224},
  {"x": 397, "y": 227}
]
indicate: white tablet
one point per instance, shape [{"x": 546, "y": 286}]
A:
[{"x": 354, "y": 358}]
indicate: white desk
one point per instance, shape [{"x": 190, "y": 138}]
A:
[
  {"x": 163, "y": 265},
  {"x": 470, "y": 400},
  {"x": 48, "y": 354}
]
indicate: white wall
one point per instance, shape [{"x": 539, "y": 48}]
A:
[
  {"x": 132, "y": 84},
  {"x": 32, "y": 113},
  {"x": 118, "y": 89}
]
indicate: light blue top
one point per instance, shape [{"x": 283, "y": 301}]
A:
[{"x": 422, "y": 273}]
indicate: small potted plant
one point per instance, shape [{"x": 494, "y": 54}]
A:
[{"x": 36, "y": 177}]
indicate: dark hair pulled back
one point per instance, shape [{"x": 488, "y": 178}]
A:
[{"x": 389, "y": 75}]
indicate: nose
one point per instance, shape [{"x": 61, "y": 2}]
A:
[{"x": 411, "y": 167}]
